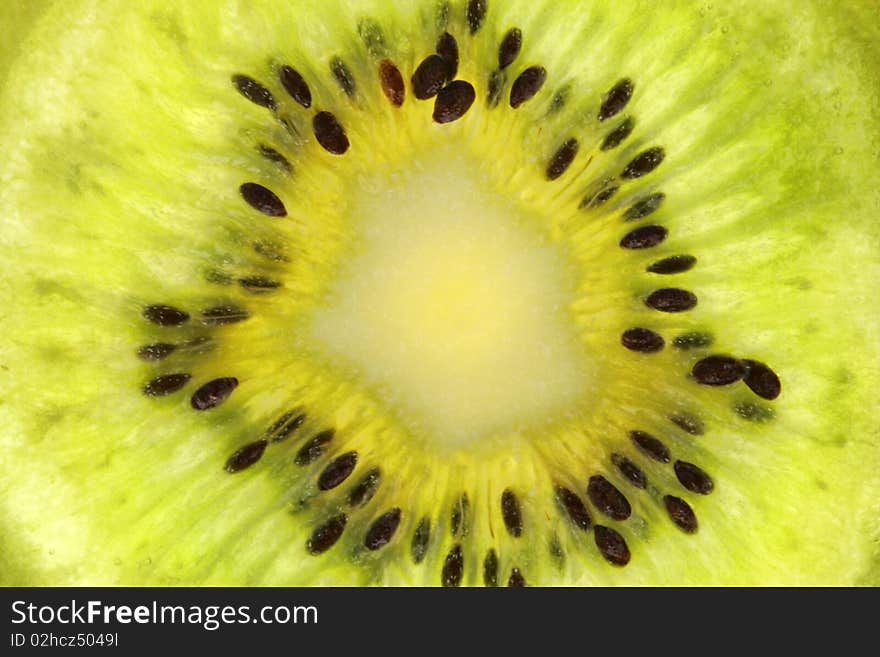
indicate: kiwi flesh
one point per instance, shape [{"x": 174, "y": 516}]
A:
[{"x": 440, "y": 293}]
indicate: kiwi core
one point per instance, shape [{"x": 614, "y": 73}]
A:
[{"x": 453, "y": 304}]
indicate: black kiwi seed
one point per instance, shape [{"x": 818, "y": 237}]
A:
[
  {"x": 516, "y": 579},
  {"x": 496, "y": 85},
  {"x": 762, "y": 380},
  {"x": 490, "y": 568},
  {"x": 681, "y": 513},
  {"x": 616, "y": 137},
  {"x": 612, "y": 545},
  {"x": 262, "y": 199},
  {"x": 326, "y": 535},
  {"x": 258, "y": 283},
  {"x": 429, "y": 77},
  {"x": 213, "y": 393},
  {"x": 459, "y": 515},
  {"x": 246, "y": 456},
  {"x": 672, "y": 265},
  {"x": 337, "y": 471},
  {"x": 371, "y": 34},
  {"x": 365, "y": 489},
  {"x": 671, "y": 300},
  {"x": 642, "y": 340},
  {"x": 510, "y": 47},
  {"x": 419, "y": 545},
  {"x": 526, "y": 85},
  {"x": 650, "y": 445},
  {"x": 453, "y": 101},
  {"x": 155, "y": 351},
  {"x": 562, "y": 159},
  {"x": 594, "y": 201},
  {"x": 447, "y": 48},
  {"x": 343, "y": 76},
  {"x": 274, "y": 156},
  {"x": 607, "y": 499},
  {"x": 382, "y": 530},
  {"x": 616, "y": 99},
  {"x": 285, "y": 425},
  {"x": 453, "y": 567},
  {"x": 295, "y": 85},
  {"x": 693, "y": 340},
  {"x": 511, "y": 513},
  {"x": 688, "y": 423},
  {"x": 644, "y": 237},
  {"x": 630, "y": 470},
  {"x": 718, "y": 370},
  {"x": 314, "y": 448},
  {"x": 165, "y": 315},
  {"x": 330, "y": 133},
  {"x": 166, "y": 384},
  {"x": 693, "y": 478},
  {"x": 219, "y": 315},
  {"x": 574, "y": 507},
  {"x": 254, "y": 91},
  {"x": 644, "y": 206},
  {"x": 476, "y": 13},
  {"x": 392, "y": 82},
  {"x": 643, "y": 163}
]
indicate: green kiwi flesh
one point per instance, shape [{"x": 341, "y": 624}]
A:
[{"x": 240, "y": 241}]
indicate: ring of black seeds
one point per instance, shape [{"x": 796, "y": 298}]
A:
[{"x": 434, "y": 78}]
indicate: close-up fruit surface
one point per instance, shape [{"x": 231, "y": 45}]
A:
[{"x": 440, "y": 293}]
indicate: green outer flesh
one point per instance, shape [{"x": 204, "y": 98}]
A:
[{"x": 810, "y": 506}]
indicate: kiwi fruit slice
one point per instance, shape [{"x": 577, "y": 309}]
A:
[{"x": 440, "y": 293}]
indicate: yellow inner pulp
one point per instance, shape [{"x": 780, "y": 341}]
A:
[{"x": 453, "y": 304}]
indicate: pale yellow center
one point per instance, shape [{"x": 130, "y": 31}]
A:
[{"x": 453, "y": 306}]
